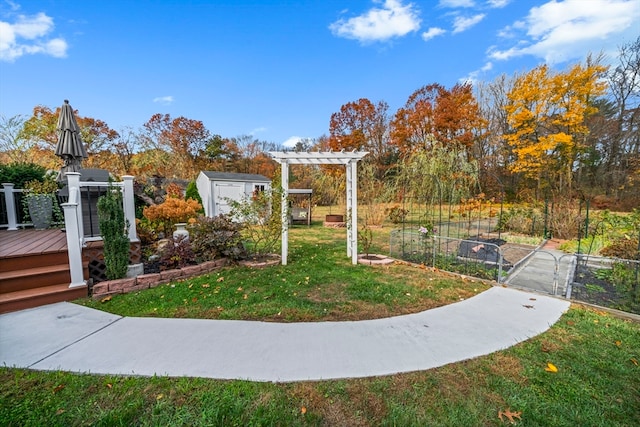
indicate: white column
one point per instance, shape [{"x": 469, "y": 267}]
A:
[
  {"x": 73, "y": 181},
  {"x": 348, "y": 206},
  {"x": 285, "y": 209},
  {"x": 9, "y": 201},
  {"x": 354, "y": 210},
  {"x": 74, "y": 244},
  {"x": 128, "y": 204}
]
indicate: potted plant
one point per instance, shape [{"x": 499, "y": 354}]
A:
[{"x": 40, "y": 202}]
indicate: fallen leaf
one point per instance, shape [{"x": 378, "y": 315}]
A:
[
  {"x": 509, "y": 415},
  {"x": 220, "y": 279},
  {"x": 570, "y": 322},
  {"x": 239, "y": 289},
  {"x": 634, "y": 361},
  {"x": 245, "y": 296},
  {"x": 58, "y": 388},
  {"x": 618, "y": 343},
  {"x": 303, "y": 410},
  {"x": 160, "y": 396},
  {"x": 527, "y": 306},
  {"x": 532, "y": 299},
  {"x": 109, "y": 385},
  {"x": 551, "y": 368},
  {"x": 105, "y": 299},
  {"x": 60, "y": 411},
  {"x": 205, "y": 285}
]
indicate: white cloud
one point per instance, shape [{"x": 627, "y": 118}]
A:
[
  {"x": 473, "y": 76},
  {"x": 461, "y": 24},
  {"x": 258, "y": 130},
  {"x": 560, "y": 31},
  {"x": 164, "y": 100},
  {"x": 432, "y": 32},
  {"x": 292, "y": 141},
  {"x": 393, "y": 19},
  {"x": 28, "y": 35},
  {"x": 496, "y": 4},
  {"x": 456, "y": 3}
]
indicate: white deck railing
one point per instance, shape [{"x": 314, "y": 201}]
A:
[{"x": 73, "y": 217}]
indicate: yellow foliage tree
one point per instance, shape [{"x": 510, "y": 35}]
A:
[{"x": 547, "y": 113}]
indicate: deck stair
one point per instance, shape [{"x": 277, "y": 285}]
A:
[{"x": 34, "y": 270}]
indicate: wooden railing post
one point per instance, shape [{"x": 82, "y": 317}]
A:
[
  {"x": 12, "y": 218},
  {"x": 129, "y": 206},
  {"x": 73, "y": 227}
]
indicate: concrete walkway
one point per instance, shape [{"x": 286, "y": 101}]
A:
[
  {"x": 537, "y": 273},
  {"x": 73, "y": 338}
]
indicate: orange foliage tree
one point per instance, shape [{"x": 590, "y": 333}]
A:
[
  {"x": 362, "y": 125},
  {"x": 434, "y": 115},
  {"x": 184, "y": 139},
  {"x": 97, "y": 136},
  {"x": 173, "y": 210}
]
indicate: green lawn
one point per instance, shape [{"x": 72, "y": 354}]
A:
[
  {"x": 597, "y": 382},
  {"x": 319, "y": 283}
]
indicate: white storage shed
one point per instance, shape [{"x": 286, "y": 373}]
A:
[{"x": 216, "y": 188}]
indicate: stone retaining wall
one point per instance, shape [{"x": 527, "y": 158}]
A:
[{"x": 146, "y": 281}]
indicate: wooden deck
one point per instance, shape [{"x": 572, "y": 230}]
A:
[
  {"x": 31, "y": 242},
  {"x": 34, "y": 269}
]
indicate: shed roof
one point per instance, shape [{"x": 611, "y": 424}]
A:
[{"x": 232, "y": 176}]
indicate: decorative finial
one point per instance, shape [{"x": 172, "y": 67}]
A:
[{"x": 66, "y": 101}]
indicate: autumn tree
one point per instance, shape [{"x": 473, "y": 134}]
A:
[
  {"x": 363, "y": 126},
  {"x": 184, "y": 139},
  {"x": 434, "y": 115},
  {"x": 41, "y": 130},
  {"x": 546, "y": 112}
]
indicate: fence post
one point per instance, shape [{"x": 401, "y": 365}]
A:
[
  {"x": 500, "y": 259},
  {"x": 9, "y": 200},
  {"x": 129, "y": 206},
  {"x": 73, "y": 226}
]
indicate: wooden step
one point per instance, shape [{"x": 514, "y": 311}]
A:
[
  {"x": 36, "y": 297},
  {"x": 33, "y": 260},
  {"x": 17, "y": 280}
]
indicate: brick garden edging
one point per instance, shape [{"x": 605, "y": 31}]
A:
[{"x": 146, "y": 281}]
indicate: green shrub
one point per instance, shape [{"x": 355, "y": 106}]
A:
[
  {"x": 20, "y": 173},
  {"x": 113, "y": 228},
  {"x": 192, "y": 193},
  {"x": 217, "y": 237},
  {"x": 261, "y": 216}
]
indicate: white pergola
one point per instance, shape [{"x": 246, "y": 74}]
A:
[{"x": 350, "y": 161}]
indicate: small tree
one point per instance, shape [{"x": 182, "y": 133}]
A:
[
  {"x": 261, "y": 216},
  {"x": 114, "y": 230}
]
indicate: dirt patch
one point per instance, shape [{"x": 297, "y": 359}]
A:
[
  {"x": 514, "y": 252},
  {"x": 591, "y": 289},
  {"x": 332, "y": 292}
]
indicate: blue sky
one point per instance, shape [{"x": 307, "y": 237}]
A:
[{"x": 277, "y": 70}]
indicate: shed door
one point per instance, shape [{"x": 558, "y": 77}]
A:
[{"x": 224, "y": 191}]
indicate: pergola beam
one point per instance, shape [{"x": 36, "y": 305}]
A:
[{"x": 350, "y": 161}]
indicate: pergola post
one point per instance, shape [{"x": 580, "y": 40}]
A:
[
  {"x": 350, "y": 161},
  {"x": 353, "y": 167},
  {"x": 285, "y": 211}
]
